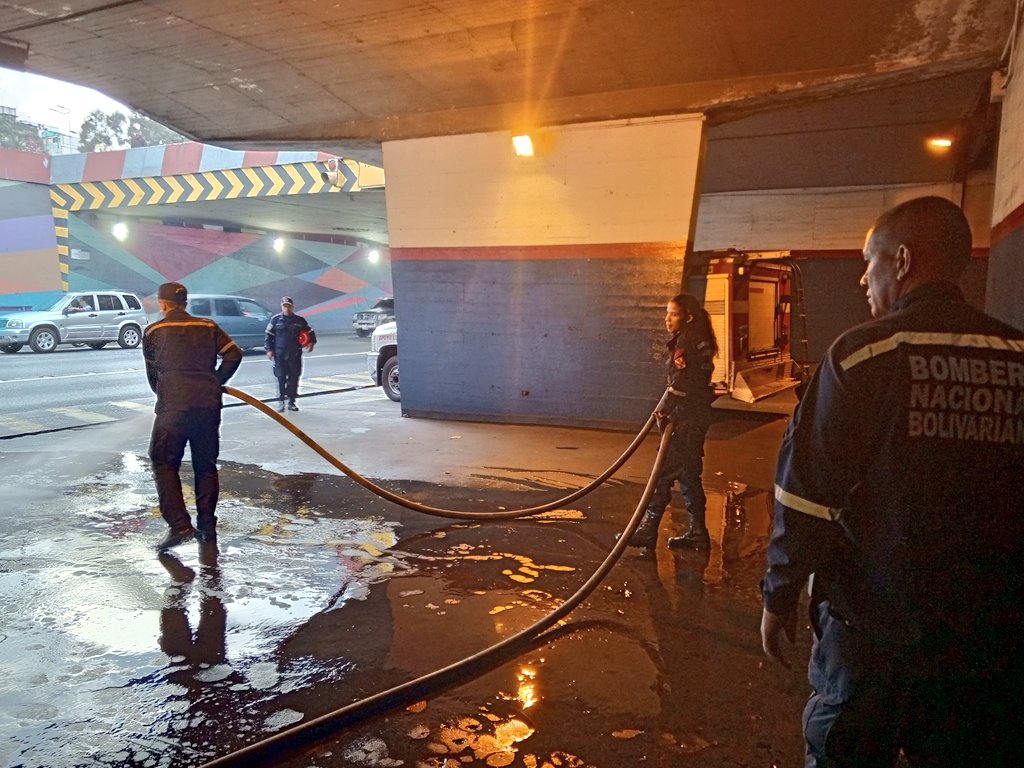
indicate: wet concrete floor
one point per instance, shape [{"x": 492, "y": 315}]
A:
[{"x": 320, "y": 594}]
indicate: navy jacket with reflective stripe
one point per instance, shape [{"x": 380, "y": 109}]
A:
[
  {"x": 899, "y": 478},
  {"x": 689, "y": 363},
  {"x": 282, "y": 335}
]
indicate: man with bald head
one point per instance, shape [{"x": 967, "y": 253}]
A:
[{"x": 898, "y": 497}]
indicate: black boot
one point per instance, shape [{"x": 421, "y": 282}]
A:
[
  {"x": 695, "y": 538},
  {"x": 646, "y": 534},
  {"x": 174, "y": 538}
]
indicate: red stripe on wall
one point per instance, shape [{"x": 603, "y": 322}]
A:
[
  {"x": 259, "y": 157},
  {"x": 542, "y": 252},
  {"x": 182, "y": 158},
  {"x": 850, "y": 253},
  {"x": 1011, "y": 223},
  {"x": 104, "y": 165},
  {"x": 16, "y": 165}
]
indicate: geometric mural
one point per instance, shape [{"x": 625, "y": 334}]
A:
[
  {"x": 53, "y": 213},
  {"x": 328, "y": 280}
]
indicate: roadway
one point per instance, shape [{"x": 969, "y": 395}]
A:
[{"x": 77, "y": 386}]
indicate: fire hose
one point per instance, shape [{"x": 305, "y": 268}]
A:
[
  {"x": 384, "y": 493},
  {"x": 265, "y": 750}
]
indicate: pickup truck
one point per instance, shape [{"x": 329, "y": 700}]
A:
[
  {"x": 382, "y": 360},
  {"x": 366, "y": 322}
]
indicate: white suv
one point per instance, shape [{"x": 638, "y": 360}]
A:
[{"x": 92, "y": 318}]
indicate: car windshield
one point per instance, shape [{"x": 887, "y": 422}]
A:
[
  {"x": 58, "y": 305},
  {"x": 384, "y": 304}
]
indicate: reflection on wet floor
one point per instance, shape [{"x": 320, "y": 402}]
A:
[{"x": 319, "y": 594}]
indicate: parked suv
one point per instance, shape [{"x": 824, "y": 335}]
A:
[
  {"x": 366, "y": 322},
  {"x": 92, "y": 318},
  {"x": 382, "y": 360},
  {"x": 243, "y": 319}
]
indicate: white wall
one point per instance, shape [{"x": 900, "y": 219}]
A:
[
  {"x": 611, "y": 182},
  {"x": 821, "y": 219},
  {"x": 1009, "y": 194}
]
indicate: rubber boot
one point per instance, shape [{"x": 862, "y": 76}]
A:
[
  {"x": 695, "y": 538},
  {"x": 646, "y": 534}
]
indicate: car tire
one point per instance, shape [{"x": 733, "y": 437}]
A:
[
  {"x": 96, "y": 344},
  {"x": 362, "y": 333},
  {"x": 130, "y": 337},
  {"x": 10, "y": 349},
  {"x": 389, "y": 379},
  {"x": 44, "y": 339}
]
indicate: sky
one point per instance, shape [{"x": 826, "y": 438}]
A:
[{"x": 51, "y": 102}]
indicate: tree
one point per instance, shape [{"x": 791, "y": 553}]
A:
[
  {"x": 116, "y": 130},
  {"x": 17, "y": 135}
]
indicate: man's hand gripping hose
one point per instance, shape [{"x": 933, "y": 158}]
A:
[{"x": 266, "y": 751}]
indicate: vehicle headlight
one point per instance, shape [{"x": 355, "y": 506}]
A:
[{"x": 15, "y": 323}]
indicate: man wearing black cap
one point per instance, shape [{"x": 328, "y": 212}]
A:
[
  {"x": 287, "y": 335},
  {"x": 181, "y": 354}
]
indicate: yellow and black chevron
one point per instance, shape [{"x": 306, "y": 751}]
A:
[{"x": 257, "y": 181}]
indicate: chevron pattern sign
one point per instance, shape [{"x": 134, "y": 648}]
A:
[{"x": 227, "y": 184}]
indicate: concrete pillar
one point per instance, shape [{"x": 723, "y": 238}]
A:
[{"x": 532, "y": 289}]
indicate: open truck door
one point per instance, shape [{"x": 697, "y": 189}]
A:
[{"x": 754, "y": 299}]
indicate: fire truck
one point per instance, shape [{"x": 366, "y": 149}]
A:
[{"x": 755, "y": 300}]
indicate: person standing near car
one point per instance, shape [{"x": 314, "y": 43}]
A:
[
  {"x": 287, "y": 335},
  {"x": 181, "y": 352}
]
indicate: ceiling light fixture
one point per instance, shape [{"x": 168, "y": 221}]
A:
[
  {"x": 278, "y": 244},
  {"x": 940, "y": 142},
  {"x": 119, "y": 231},
  {"x": 523, "y": 145},
  {"x": 373, "y": 256}
]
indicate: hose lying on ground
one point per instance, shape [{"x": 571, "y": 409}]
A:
[
  {"x": 407, "y": 693},
  {"x": 424, "y": 508}
]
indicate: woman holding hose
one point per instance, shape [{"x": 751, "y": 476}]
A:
[{"x": 687, "y": 406}]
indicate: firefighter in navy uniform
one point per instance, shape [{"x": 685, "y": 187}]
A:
[
  {"x": 181, "y": 354},
  {"x": 898, "y": 488},
  {"x": 287, "y": 335},
  {"x": 687, "y": 405}
]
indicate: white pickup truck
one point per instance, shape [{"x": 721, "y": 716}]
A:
[{"x": 382, "y": 359}]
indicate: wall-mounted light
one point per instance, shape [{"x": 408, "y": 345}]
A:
[
  {"x": 373, "y": 256},
  {"x": 278, "y": 244},
  {"x": 119, "y": 231},
  {"x": 523, "y": 145},
  {"x": 939, "y": 143}
]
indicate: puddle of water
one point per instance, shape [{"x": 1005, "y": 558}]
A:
[
  {"x": 113, "y": 656},
  {"x": 153, "y": 648}
]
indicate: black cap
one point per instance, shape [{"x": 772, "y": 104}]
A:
[
  {"x": 175, "y": 292},
  {"x": 287, "y": 300}
]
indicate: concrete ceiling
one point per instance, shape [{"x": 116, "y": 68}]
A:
[{"x": 797, "y": 92}]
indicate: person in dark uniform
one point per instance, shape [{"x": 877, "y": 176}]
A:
[
  {"x": 287, "y": 335},
  {"x": 690, "y": 362},
  {"x": 898, "y": 489},
  {"x": 181, "y": 354}
]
